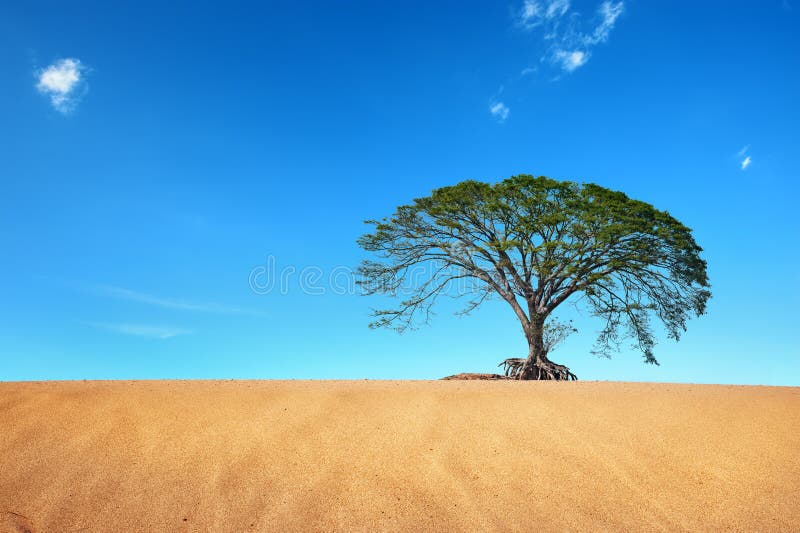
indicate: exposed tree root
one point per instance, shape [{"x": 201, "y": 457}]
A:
[
  {"x": 542, "y": 369},
  {"x": 512, "y": 366}
]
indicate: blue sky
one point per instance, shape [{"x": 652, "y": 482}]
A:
[{"x": 154, "y": 156}]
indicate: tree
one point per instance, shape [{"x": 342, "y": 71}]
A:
[
  {"x": 536, "y": 243},
  {"x": 555, "y": 332}
]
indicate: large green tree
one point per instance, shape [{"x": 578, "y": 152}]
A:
[{"x": 536, "y": 243}]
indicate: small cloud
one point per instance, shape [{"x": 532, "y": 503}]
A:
[
  {"x": 530, "y": 13},
  {"x": 533, "y": 13},
  {"x": 571, "y": 60},
  {"x": 747, "y": 159},
  {"x": 140, "y": 330},
  {"x": 500, "y": 111},
  {"x": 570, "y": 42},
  {"x": 609, "y": 13},
  {"x": 64, "y": 82},
  {"x": 556, "y": 9}
]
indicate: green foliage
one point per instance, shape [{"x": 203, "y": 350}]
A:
[{"x": 536, "y": 242}]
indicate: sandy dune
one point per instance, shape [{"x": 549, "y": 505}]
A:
[{"x": 359, "y": 455}]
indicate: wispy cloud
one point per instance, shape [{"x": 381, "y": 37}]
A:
[
  {"x": 534, "y": 13},
  {"x": 64, "y": 82},
  {"x": 140, "y": 330},
  {"x": 172, "y": 303},
  {"x": 609, "y": 13},
  {"x": 747, "y": 160},
  {"x": 499, "y": 110},
  {"x": 570, "y": 60},
  {"x": 568, "y": 43}
]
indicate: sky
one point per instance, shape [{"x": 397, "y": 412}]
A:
[{"x": 182, "y": 184}]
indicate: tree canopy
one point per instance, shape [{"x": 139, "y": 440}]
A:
[{"x": 536, "y": 242}]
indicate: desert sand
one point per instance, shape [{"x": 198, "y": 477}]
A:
[{"x": 397, "y": 455}]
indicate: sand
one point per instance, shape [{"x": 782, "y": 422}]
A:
[{"x": 397, "y": 455}]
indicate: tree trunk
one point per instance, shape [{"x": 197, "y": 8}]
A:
[{"x": 538, "y": 366}]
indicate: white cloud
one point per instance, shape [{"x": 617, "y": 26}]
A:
[
  {"x": 609, "y": 13},
  {"x": 499, "y": 110},
  {"x": 534, "y": 14},
  {"x": 140, "y": 330},
  {"x": 172, "y": 303},
  {"x": 571, "y": 60},
  {"x": 744, "y": 163},
  {"x": 64, "y": 82},
  {"x": 530, "y": 14},
  {"x": 570, "y": 43},
  {"x": 557, "y": 8},
  {"x": 566, "y": 38}
]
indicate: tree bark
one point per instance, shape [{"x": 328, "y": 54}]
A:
[{"x": 538, "y": 366}]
